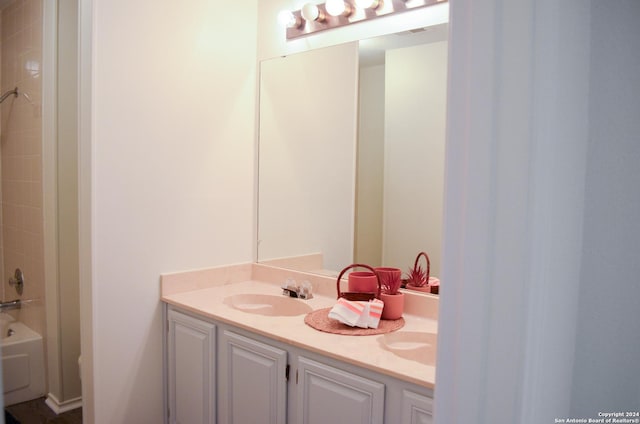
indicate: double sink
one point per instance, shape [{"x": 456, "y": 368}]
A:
[{"x": 412, "y": 345}]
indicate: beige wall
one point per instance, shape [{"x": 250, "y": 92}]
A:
[{"x": 22, "y": 222}]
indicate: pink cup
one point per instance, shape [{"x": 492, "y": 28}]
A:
[{"x": 363, "y": 282}]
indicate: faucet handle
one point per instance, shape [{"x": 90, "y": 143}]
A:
[
  {"x": 17, "y": 280},
  {"x": 306, "y": 290},
  {"x": 290, "y": 288},
  {"x": 289, "y": 284}
]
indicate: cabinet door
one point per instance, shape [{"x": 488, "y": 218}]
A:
[
  {"x": 191, "y": 356},
  {"x": 416, "y": 409},
  {"x": 330, "y": 395},
  {"x": 253, "y": 381}
]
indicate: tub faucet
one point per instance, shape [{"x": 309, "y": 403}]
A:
[{"x": 12, "y": 304}]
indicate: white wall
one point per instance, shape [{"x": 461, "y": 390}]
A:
[
  {"x": 606, "y": 374},
  {"x": 172, "y": 165}
]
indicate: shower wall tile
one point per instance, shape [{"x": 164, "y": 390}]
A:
[
  {"x": 35, "y": 167},
  {"x": 21, "y": 152}
]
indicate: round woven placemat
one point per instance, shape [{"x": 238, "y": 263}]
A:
[{"x": 320, "y": 321}]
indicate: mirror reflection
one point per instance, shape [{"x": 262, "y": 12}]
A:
[{"x": 351, "y": 153}]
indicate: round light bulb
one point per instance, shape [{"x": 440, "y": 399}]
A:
[
  {"x": 367, "y": 4},
  {"x": 287, "y": 19},
  {"x": 337, "y": 8},
  {"x": 310, "y": 12}
]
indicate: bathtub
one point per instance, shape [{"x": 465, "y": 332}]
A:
[{"x": 22, "y": 362}]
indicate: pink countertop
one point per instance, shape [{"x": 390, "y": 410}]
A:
[{"x": 402, "y": 354}]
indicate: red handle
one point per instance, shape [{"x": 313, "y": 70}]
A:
[
  {"x": 355, "y": 266},
  {"x": 415, "y": 265}
]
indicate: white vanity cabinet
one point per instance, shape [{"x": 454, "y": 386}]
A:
[
  {"x": 191, "y": 376},
  {"x": 331, "y": 395},
  {"x": 252, "y": 381},
  {"x": 260, "y": 380}
]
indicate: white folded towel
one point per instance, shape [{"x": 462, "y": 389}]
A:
[
  {"x": 357, "y": 313},
  {"x": 347, "y": 312}
]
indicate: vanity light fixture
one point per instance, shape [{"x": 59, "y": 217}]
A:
[
  {"x": 338, "y": 8},
  {"x": 312, "y": 17}
]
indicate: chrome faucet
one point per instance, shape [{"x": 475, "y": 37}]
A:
[
  {"x": 12, "y": 304},
  {"x": 292, "y": 289}
]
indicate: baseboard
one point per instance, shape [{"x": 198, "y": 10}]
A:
[{"x": 59, "y": 407}]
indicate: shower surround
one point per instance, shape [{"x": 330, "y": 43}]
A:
[{"x": 21, "y": 151}]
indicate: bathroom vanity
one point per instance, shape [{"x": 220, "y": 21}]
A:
[{"x": 232, "y": 365}]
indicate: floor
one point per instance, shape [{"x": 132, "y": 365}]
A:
[{"x": 37, "y": 412}]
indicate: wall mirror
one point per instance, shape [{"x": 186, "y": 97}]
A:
[{"x": 351, "y": 153}]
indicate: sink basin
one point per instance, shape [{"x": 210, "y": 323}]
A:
[
  {"x": 412, "y": 345},
  {"x": 267, "y": 304}
]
